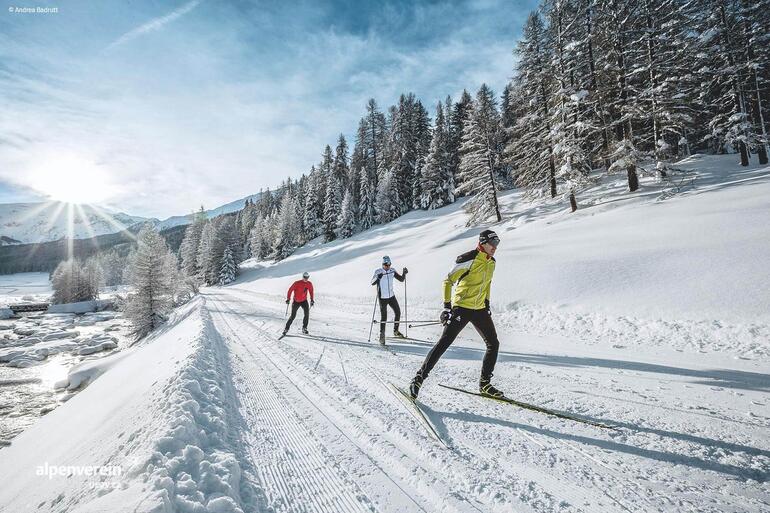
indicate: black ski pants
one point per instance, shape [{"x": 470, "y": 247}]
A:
[
  {"x": 294, "y": 307},
  {"x": 482, "y": 321},
  {"x": 393, "y": 303}
]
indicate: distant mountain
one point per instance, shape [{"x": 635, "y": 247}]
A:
[
  {"x": 48, "y": 221},
  {"x": 227, "y": 208},
  {"x": 23, "y": 223},
  {"x": 7, "y": 241}
]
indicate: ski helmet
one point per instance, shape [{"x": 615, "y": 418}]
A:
[
  {"x": 386, "y": 260},
  {"x": 489, "y": 237},
  {"x": 305, "y": 275}
]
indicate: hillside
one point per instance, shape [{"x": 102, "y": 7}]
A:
[{"x": 645, "y": 312}]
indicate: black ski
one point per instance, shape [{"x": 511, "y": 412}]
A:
[
  {"x": 420, "y": 415},
  {"x": 531, "y": 407}
]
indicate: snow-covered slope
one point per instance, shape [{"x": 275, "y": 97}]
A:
[
  {"x": 42, "y": 222},
  {"x": 162, "y": 416},
  {"x": 645, "y": 311},
  {"x": 676, "y": 270}
]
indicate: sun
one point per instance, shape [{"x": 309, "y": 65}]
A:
[{"x": 71, "y": 178}]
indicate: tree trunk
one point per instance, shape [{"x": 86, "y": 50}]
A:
[
  {"x": 552, "y": 175},
  {"x": 762, "y": 152},
  {"x": 744, "y": 150},
  {"x": 572, "y": 201},
  {"x": 633, "y": 179}
]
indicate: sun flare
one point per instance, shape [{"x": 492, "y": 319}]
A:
[{"x": 71, "y": 179}]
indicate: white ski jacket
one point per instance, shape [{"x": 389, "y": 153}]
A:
[{"x": 384, "y": 280}]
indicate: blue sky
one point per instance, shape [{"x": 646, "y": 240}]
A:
[{"x": 154, "y": 107}]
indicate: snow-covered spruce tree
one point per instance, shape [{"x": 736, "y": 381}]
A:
[
  {"x": 357, "y": 164},
  {"x": 153, "y": 275},
  {"x": 437, "y": 187},
  {"x": 388, "y": 200},
  {"x": 459, "y": 113},
  {"x": 286, "y": 229},
  {"x": 332, "y": 205},
  {"x": 341, "y": 164},
  {"x": 311, "y": 221},
  {"x": 480, "y": 157},
  {"x": 375, "y": 137},
  {"x": 423, "y": 136},
  {"x": 229, "y": 234},
  {"x": 210, "y": 252},
  {"x": 367, "y": 212},
  {"x": 530, "y": 148},
  {"x": 728, "y": 56},
  {"x": 347, "y": 221},
  {"x": 189, "y": 248},
  {"x": 569, "y": 126},
  {"x": 615, "y": 23},
  {"x": 259, "y": 239},
  {"x": 228, "y": 271}
]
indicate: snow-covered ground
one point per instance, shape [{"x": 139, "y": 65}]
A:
[
  {"x": 24, "y": 287},
  {"x": 647, "y": 311}
]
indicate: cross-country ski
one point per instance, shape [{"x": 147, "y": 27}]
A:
[
  {"x": 466, "y": 256},
  {"x": 531, "y": 407}
]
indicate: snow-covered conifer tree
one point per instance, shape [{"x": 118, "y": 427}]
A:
[
  {"x": 480, "y": 157},
  {"x": 347, "y": 221},
  {"x": 332, "y": 206},
  {"x": 228, "y": 271},
  {"x": 154, "y": 277},
  {"x": 437, "y": 187},
  {"x": 286, "y": 229},
  {"x": 189, "y": 248}
]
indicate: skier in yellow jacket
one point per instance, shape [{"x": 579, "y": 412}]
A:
[{"x": 471, "y": 278}]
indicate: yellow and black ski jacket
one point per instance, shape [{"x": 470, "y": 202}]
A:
[{"x": 471, "y": 277}]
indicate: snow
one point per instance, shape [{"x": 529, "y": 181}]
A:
[
  {"x": 80, "y": 307},
  {"x": 34, "y": 286},
  {"x": 645, "y": 311},
  {"x": 158, "y": 411}
]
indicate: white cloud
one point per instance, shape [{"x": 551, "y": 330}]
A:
[{"x": 154, "y": 24}]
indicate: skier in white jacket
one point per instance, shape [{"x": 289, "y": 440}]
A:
[{"x": 383, "y": 279}]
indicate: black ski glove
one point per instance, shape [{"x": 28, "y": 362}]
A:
[
  {"x": 486, "y": 305},
  {"x": 287, "y": 301},
  {"x": 312, "y": 302},
  {"x": 446, "y": 315},
  {"x": 405, "y": 271}
]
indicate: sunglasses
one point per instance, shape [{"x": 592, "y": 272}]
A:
[{"x": 493, "y": 242}]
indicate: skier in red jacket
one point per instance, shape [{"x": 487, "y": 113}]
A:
[{"x": 300, "y": 288}]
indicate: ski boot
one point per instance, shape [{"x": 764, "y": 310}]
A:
[
  {"x": 414, "y": 386},
  {"x": 305, "y": 331},
  {"x": 382, "y": 339},
  {"x": 398, "y": 334},
  {"x": 284, "y": 333},
  {"x": 486, "y": 388}
]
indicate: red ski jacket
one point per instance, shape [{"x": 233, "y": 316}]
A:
[{"x": 300, "y": 289}]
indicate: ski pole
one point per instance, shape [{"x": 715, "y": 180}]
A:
[
  {"x": 406, "y": 309},
  {"x": 375, "y": 321},
  {"x": 374, "y": 309},
  {"x": 426, "y": 324}
]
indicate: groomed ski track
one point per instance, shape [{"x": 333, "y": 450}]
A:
[{"x": 324, "y": 432}]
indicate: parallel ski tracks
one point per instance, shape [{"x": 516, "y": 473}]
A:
[
  {"x": 433, "y": 470},
  {"x": 581, "y": 480}
]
